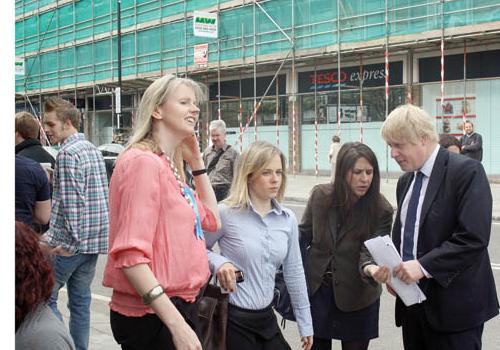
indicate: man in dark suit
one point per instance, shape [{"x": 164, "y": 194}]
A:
[
  {"x": 472, "y": 142},
  {"x": 442, "y": 231}
]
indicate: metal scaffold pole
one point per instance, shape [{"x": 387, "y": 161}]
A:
[
  {"x": 294, "y": 97},
  {"x": 316, "y": 165},
  {"x": 258, "y": 103},
  {"x": 339, "y": 114},
  {"x": 277, "y": 114},
  {"x": 255, "y": 70},
  {"x": 442, "y": 61},
  {"x": 218, "y": 80},
  {"x": 118, "y": 91},
  {"x": 361, "y": 81},
  {"x": 185, "y": 40},
  {"x": 240, "y": 116},
  {"x": 465, "y": 108},
  {"x": 386, "y": 85}
]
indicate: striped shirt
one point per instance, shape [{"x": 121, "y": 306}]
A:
[
  {"x": 258, "y": 246},
  {"x": 79, "y": 220}
]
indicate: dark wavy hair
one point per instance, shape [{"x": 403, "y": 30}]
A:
[
  {"x": 34, "y": 277},
  {"x": 344, "y": 200},
  {"x": 447, "y": 140}
]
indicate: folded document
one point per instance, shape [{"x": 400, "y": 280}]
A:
[{"x": 384, "y": 253}]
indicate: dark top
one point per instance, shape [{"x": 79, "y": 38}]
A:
[
  {"x": 472, "y": 146},
  {"x": 336, "y": 248},
  {"x": 32, "y": 149},
  {"x": 452, "y": 246},
  {"x": 32, "y": 185}
]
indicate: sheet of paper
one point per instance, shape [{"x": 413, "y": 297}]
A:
[{"x": 385, "y": 253}]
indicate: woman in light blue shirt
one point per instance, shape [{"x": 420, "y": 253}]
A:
[{"x": 257, "y": 236}]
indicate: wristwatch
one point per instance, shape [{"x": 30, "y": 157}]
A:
[{"x": 154, "y": 293}]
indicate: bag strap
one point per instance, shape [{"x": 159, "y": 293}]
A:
[
  {"x": 215, "y": 160},
  {"x": 202, "y": 290}
]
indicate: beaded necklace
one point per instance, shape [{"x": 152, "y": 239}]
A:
[{"x": 188, "y": 194}]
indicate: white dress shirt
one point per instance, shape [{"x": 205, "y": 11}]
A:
[{"x": 426, "y": 170}]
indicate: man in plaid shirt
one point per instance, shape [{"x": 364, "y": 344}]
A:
[{"x": 79, "y": 221}]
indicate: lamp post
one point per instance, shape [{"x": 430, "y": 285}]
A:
[{"x": 118, "y": 90}]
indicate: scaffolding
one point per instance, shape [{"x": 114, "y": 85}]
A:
[
  {"x": 69, "y": 44},
  {"x": 69, "y": 47}
]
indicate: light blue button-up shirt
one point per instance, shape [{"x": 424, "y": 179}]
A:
[{"x": 258, "y": 246}]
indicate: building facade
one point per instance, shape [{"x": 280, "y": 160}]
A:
[{"x": 293, "y": 72}]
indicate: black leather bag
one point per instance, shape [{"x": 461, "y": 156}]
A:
[
  {"x": 282, "y": 302},
  {"x": 212, "y": 313}
]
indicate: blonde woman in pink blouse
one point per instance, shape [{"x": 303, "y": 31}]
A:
[{"x": 157, "y": 261}]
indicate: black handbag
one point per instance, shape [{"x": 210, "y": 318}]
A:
[
  {"x": 282, "y": 302},
  {"x": 212, "y": 313}
]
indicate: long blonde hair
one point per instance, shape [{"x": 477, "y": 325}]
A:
[
  {"x": 252, "y": 162},
  {"x": 156, "y": 95}
]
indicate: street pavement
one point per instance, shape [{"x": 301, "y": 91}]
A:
[{"x": 298, "y": 189}]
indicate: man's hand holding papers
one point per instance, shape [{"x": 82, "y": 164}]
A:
[{"x": 404, "y": 274}]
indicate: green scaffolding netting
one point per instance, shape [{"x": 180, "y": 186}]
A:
[{"x": 88, "y": 23}]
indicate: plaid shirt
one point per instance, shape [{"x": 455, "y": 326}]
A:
[{"x": 79, "y": 220}]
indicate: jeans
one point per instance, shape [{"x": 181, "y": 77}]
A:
[{"x": 77, "y": 272}]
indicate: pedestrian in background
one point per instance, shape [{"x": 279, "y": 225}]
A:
[
  {"x": 257, "y": 236},
  {"x": 157, "y": 262},
  {"x": 32, "y": 193},
  {"x": 36, "y": 325},
  {"x": 450, "y": 142},
  {"x": 442, "y": 231},
  {"x": 342, "y": 277},
  {"x": 79, "y": 221},
  {"x": 27, "y": 131},
  {"x": 220, "y": 159},
  {"x": 332, "y": 155},
  {"x": 472, "y": 142}
]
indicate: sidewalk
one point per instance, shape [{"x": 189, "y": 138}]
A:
[{"x": 299, "y": 187}]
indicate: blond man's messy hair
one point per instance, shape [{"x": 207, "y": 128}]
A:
[{"x": 409, "y": 123}]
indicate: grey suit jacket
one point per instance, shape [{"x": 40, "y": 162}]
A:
[{"x": 325, "y": 243}]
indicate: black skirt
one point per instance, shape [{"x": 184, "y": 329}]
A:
[
  {"x": 254, "y": 330},
  {"x": 331, "y": 323}
]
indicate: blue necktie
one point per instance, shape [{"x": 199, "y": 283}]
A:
[{"x": 411, "y": 216}]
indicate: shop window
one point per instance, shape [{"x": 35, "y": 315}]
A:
[
  {"x": 266, "y": 115},
  {"x": 350, "y": 109}
]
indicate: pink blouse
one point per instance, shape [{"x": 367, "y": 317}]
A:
[{"x": 151, "y": 222}]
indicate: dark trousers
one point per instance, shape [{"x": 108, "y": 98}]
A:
[
  {"x": 221, "y": 191},
  {"x": 254, "y": 330},
  {"x": 418, "y": 334},
  {"x": 149, "y": 332},
  {"x": 326, "y": 344}
]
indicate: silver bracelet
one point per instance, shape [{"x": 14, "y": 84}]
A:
[{"x": 153, "y": 294}]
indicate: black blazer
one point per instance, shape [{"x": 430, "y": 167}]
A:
[
  {"x": 472, "y": 146},
  {"x": 327, "y": 245},
  {"x": 455, "y": 226}
]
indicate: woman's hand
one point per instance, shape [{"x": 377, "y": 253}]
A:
[
  {"x": 191, "y": 151},
  {"x": 381, "y": 274},
  {"x": 307, "y": 342},
  {"x": 185, "y": 338},
  {"x": 227, "y": 276}
]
